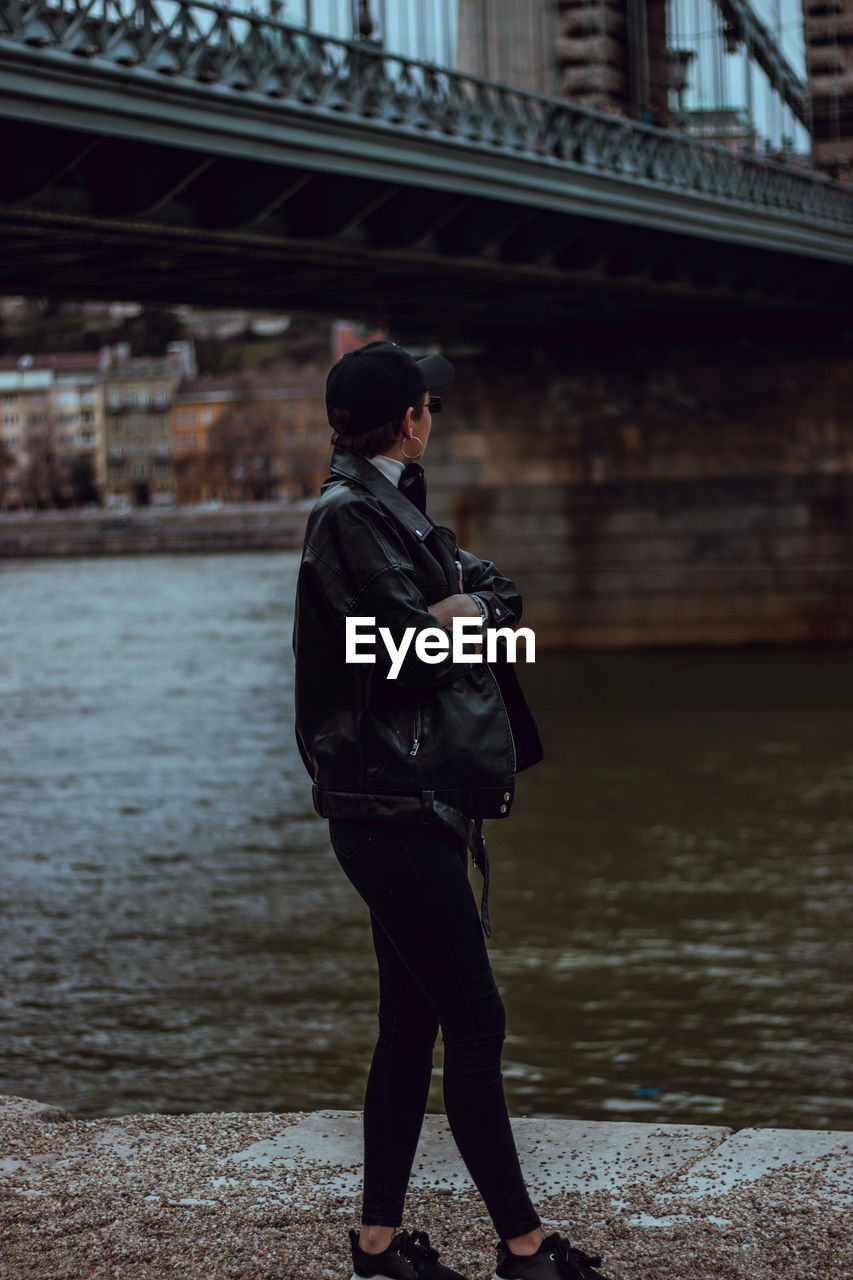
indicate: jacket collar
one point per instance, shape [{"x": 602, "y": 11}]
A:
[{"x": 364, "y": 473}]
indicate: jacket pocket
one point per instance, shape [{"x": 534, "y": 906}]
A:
[{"x": 349, "y": 836}]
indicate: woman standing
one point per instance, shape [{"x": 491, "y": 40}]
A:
[{"x": 408, "y": 754}]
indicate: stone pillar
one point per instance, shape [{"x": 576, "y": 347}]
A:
[
  {"x": 603, "y": 53},
  {"x": 829, "y": 34},
  {"x": 593, "y": 53},
  {"x": 682, "y": 493},
  {"x": 612, "y": 54}
]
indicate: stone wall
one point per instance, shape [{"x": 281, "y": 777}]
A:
[{"x": 684, "y": 496}]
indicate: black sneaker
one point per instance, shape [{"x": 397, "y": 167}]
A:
[
  {"x": 409, "y": 1256},
  {"x": 556, "y": 1260}
]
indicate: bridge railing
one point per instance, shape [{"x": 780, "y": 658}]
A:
[{"x": 254, "y": 55}]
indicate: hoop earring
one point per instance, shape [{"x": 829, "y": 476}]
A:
[{"x": 403, "y": 450}]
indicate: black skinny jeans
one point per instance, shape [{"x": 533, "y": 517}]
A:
[{"x": 433, "y": 971}]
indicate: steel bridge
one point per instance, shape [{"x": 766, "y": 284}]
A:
[{"x": 176, "y": 150}]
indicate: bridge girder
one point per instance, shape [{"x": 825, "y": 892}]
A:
[
  {"x": 434, "y": 275},
  {"x": 123, "y": 184}
]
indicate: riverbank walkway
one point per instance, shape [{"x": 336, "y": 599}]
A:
[
  {"x": 271, "y": 1197},
  {"x": 253, "y": 526}
]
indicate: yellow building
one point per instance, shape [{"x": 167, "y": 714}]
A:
[
  {"x": 242, "y": 438},
  {"x": 138, "y": 395},
  {"x": 107, "y": 427},
  {"x": 199, "y": 403}
]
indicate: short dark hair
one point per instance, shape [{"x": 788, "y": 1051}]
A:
[{"x": 368, "y": 443}]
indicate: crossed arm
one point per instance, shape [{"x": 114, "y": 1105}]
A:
[{"x": 459, "y": 606}]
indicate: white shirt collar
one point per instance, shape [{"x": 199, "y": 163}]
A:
[{"x": 391, "y": 468}]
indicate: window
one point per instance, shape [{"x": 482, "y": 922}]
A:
[
  {"x": 9, "y": 399},
  {"x": 142, "y": 399},
  {"x": 161, "y": 398},
  {"x": 116, "y": 451},
  {"x": 163, "y": 448},
  {"x": 10, "y": 419},
  {"x": 130, "y": 397},
  {"x": 114, "y": 400}
]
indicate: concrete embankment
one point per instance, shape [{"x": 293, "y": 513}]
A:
[
  {"x": 251, "y": 527},
  {"x": 270, "y": 1197}
]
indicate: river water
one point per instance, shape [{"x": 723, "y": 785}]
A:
[{"x": 671, "y": 899}]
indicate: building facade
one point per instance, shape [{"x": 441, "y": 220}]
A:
[
  {"x": 111, "y": 429},
  {"x": 242, "y": 439},
  {"x": 137, "y": 402},
  {"x": 51, "y": 431},
  {"x": 25, "y": 395},
  {"x": 138, "y": 395}
]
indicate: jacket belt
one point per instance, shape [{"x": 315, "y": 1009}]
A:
[{"x": 413, "y": 806}]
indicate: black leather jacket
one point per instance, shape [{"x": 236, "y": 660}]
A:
[{"x": 437, "y": 738}]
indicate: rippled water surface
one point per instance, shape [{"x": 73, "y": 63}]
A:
[{"x": 672, "y": 896}]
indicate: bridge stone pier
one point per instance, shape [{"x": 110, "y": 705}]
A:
[{"x": 658, "y": 495}]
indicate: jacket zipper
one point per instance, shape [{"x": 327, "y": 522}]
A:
[
  {"x": 416, "y": 744},
  {"x": 416, "y": 738},
  {"x": 506, "y": 716}
]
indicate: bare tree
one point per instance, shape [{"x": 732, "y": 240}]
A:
[
  {"x": 194, "y": 478},
  {"x": 84, "y": 487},
  {"x": 45, "y": 482},
  {"x": 7, "y": 464},
  {"x": 306, "y": 460},
  {"x": 244, "y": 450}
]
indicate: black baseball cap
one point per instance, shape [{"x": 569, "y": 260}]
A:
[{"x": 378, "y": 382}]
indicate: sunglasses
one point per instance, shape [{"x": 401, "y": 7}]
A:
[{"x": 434, "y": 404}]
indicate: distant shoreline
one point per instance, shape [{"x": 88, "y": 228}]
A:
[{"x": 153, "y": 530}]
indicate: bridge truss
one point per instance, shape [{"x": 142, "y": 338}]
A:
[{"x": 192, "y": 144}]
